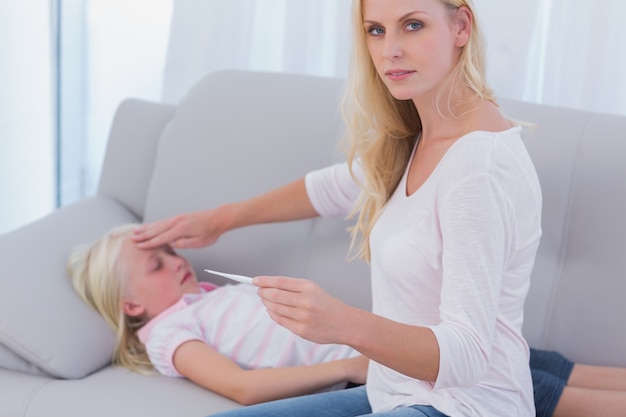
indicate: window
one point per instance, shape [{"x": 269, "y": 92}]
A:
[
  {"x": 109, "y": 50},
  {"x": 65, "y": 66}
]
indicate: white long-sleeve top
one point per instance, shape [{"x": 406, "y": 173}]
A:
[{"x": 455, "y": 256}]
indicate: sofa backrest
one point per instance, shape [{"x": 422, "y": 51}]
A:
[
  {"x": 579, "y": 280},
  {"x": 237, "y": 134},
  {"x": 129, "y": 158}
]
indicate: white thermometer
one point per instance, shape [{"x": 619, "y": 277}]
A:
[{"x": 239, "y": 278}]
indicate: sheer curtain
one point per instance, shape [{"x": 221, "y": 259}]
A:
[
  {"x": 584, "y": 63},
  {"x": 301, "y": 36},
  {"x": 561, "y": 52}
]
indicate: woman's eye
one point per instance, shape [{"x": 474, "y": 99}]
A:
[
  {"x": 375, "y": 31},
  {"x": 413, "y": 26}
]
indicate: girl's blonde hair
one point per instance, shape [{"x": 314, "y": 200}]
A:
[
  {"x": 382, "y": 130},
  {"x": 99, "y": 275}
]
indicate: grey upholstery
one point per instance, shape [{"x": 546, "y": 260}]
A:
[
  {"x": 240, "y": 133},
  {"x": 579, "y": 278}
]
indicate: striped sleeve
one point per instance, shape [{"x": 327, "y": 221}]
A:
[{"x": 163, "y": 342}]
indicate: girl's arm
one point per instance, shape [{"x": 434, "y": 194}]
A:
[{"x": 208, "y": 368}]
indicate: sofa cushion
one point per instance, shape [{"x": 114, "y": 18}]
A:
[
  {"x": 13, "y": 362},
  {"x": 42, "y": 320}
]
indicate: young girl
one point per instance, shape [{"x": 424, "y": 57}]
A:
[{"x": 218, "y": 337}]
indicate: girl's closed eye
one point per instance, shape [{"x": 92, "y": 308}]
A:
[{"x": 156, "y": 261}]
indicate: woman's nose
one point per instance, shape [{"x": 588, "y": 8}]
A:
[{"x": 393, "y": 48}]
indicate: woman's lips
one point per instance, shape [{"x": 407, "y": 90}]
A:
[{"x": 398, "y": 75}]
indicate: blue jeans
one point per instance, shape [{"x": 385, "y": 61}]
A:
[
  {"x": 350, "y": 402},
  {"x": 550, "y": 371}
]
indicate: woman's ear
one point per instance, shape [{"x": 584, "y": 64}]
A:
[
  {"x": 132, "y": 309},
  {"x": 463, "y": 22}
]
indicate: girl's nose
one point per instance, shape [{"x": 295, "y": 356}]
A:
[{"x": 177, "y": 262}]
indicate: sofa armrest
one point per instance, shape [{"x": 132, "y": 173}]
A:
[{"x": 42, "y": 319}]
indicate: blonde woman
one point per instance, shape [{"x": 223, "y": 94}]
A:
[
  {"x": 448, "y": 209},
  {"x": 217, "y": 337}
]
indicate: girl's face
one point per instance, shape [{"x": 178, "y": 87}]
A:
[
  {"x": 157, "y": 278},
  {"x": 414, "y": 44}
]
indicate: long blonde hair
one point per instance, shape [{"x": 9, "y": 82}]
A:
[
  {"x": 382, "y": 130},
  {"x": 98, "y": 275}
]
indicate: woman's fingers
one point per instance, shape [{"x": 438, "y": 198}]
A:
[
  {"x": 155, "y": 234},
  {"x": 301, "y": 306},
  {"x": 188, "y": 230},
  {"x": 282, "y": 283}
]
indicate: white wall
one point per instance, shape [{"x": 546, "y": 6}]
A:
[{"x": 26, "y": 139}]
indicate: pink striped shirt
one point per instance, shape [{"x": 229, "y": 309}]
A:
[{"x": 232, "y": 320}]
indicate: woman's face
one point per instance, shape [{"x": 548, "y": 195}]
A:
[
  {"x": 157, "y": 278},
  {"x": 414, "y": 44}
]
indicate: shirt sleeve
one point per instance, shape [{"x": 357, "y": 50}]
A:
[
  {"x": 477, "y": 228},
  {"x": 332, "y": 190},
  {"x": 163, "y": 342}
]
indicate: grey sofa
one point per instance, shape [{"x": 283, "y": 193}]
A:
[{"x": 237, "y": 134}]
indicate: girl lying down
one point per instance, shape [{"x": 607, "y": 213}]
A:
[{"x": 219, "y": 337}]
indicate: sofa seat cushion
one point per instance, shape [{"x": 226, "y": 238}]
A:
[{"x": 112, "y": 391}]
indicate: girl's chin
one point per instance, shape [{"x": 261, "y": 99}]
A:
[{"x": 192, "y": 286}]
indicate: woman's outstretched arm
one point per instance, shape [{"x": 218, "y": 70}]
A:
[{"x": 203, "y": 228}]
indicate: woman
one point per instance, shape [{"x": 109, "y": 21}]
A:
[{"x": 448, "y": 208}]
